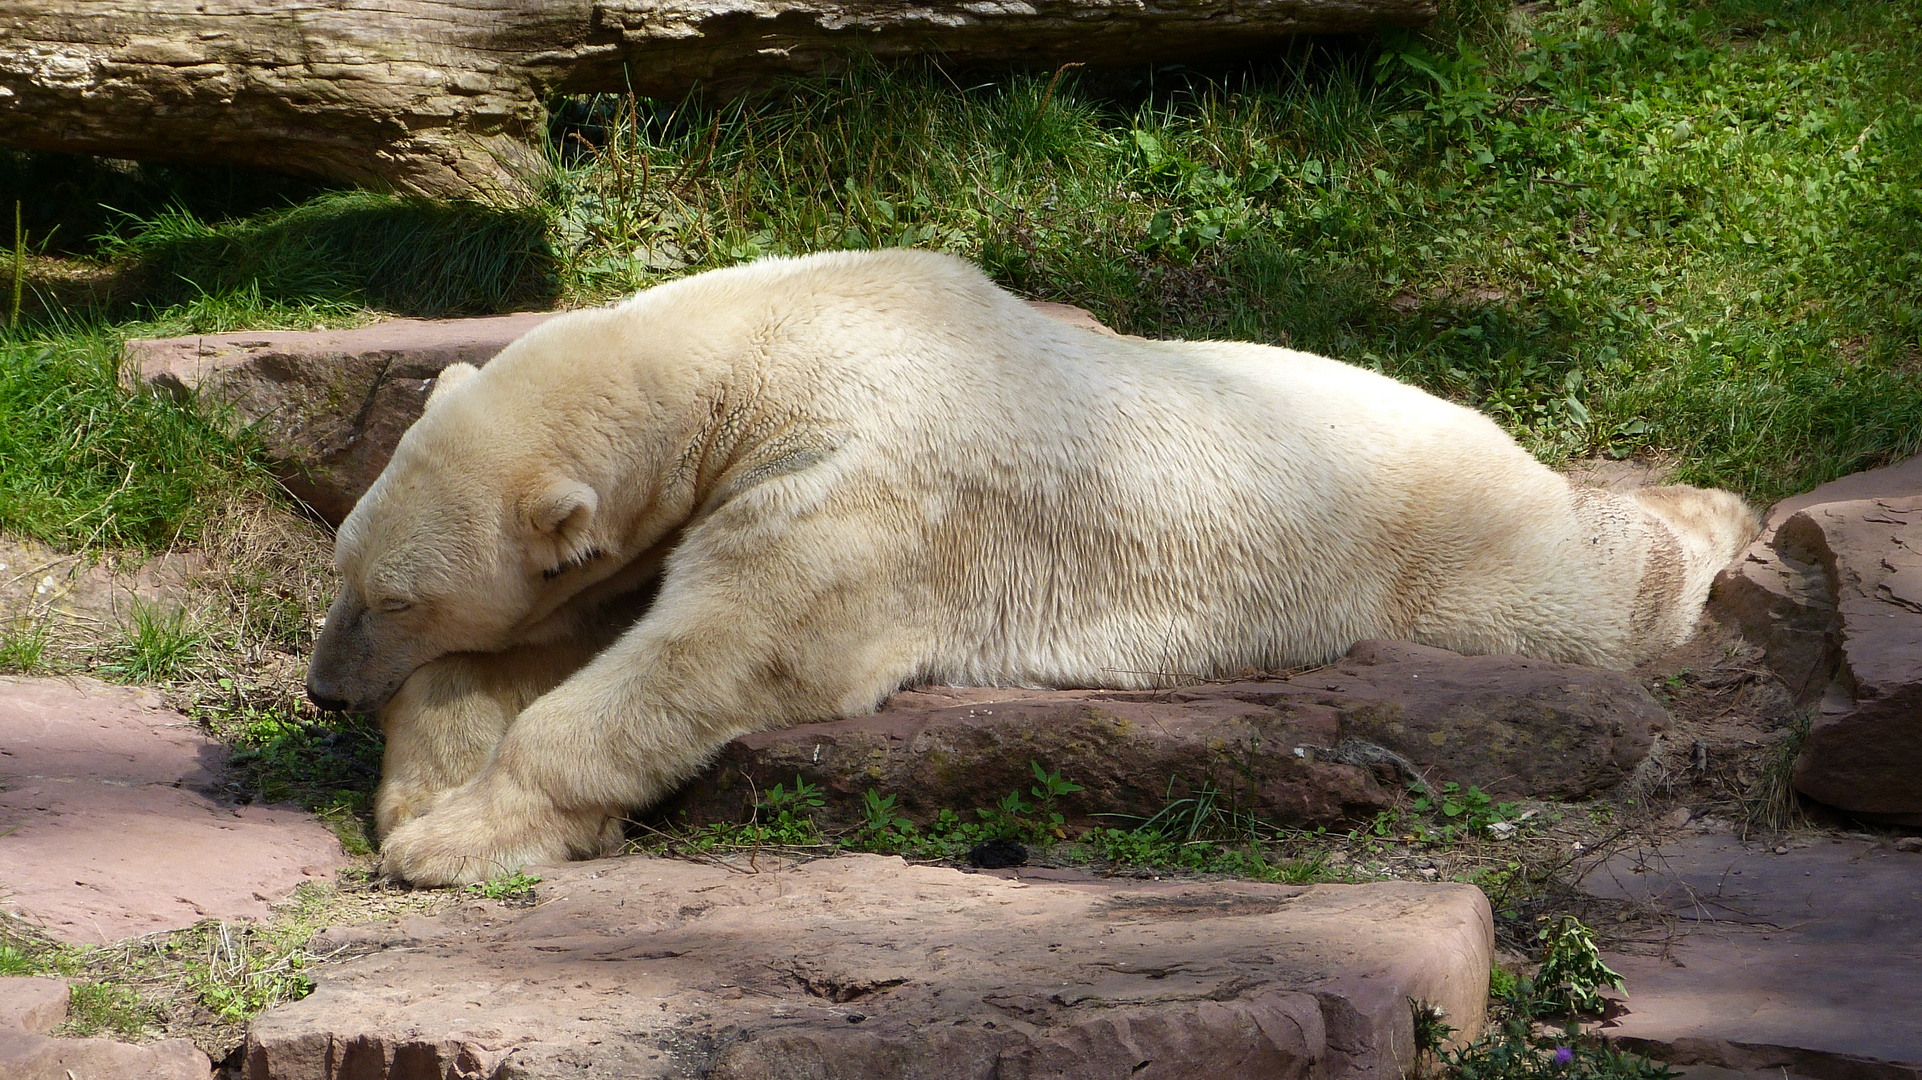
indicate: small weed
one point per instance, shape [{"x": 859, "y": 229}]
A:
[
  {"x": 23, "y": 646},
  {"x": 1771, "y": 804},
  {"x": 158, "y": 644},
  {"x": 1572, "y": 972},
  {"x": 791, "y": 818},
  {"x": 1465, "y": 812},
  {"x": 1515, "y": 1046},
  {"x": 883, "y": 828},
  {"x": 106, "y": 1008},
  {"x": 1502, "y": 983},
  {"x": 1048, "y": 787},
  {"x": 15, "y": 961},
  {"x": 1432, "y": 1028},
  {"x": 517, "y": 886}
]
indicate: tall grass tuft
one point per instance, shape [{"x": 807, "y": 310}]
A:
[{"x": 406, "y": 255}]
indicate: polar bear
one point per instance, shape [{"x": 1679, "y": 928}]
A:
[{"x": 778, "y": 493}]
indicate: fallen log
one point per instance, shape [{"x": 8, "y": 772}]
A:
[{"x": 445, "y": 97}]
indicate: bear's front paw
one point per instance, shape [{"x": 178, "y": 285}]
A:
[
  {"x": 483, "y": 830},
  {"x": 396, "y": 804}
]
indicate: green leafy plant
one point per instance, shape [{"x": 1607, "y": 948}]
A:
[
  {"x": 1432, "y": 1028},
  {"x": 1572, "y": 974},
  {"x": 1049, "y": 787},
  {"x": 1465, "y": 811},
  {"x": 789, "y": 813},
  {"x": 882, "y": 826},
  {"x": 514, "y": 886},
  {"x": 1502, "y": 983},
  {"x": 1514, "y": 1046}
]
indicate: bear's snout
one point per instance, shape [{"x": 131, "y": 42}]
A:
[
  {"x": 352, "y": 669},
  {"x": 322, "y": 701}
]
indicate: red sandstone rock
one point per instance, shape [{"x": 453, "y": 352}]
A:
[
  {"x": 42, "y": 1057},
  {"x": 32, "y": 1006},
  {"x": 107, "y": 831},
  {"x": 1286, "y": 750},
  {"x": 863, "y": 966},
  {"x": 331, "y": 405},
  {"x": 1804, "y": 962},
  {"x": 1833, "y": 592},
  {"x": 1864, "y": 748}
]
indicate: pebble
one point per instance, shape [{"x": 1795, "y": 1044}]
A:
[{"x": 1909, "y": 843}]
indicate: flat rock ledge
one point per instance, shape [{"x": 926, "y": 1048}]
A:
[
  {"x": 106, "y": 828},
  {"x": 1323, "y": 746},
  {"x": 331, "y": 405},
  {"x": 1833, "y": 591},
  {"x": 30, "y": 1008},
  {"x": 864, "y": 966},
  {"x": 1804, "y": 957}
]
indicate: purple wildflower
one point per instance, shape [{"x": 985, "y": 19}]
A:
[{"x": 1564, "y": 1055}]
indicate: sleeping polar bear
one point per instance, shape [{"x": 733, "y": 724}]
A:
[{"x": 781, "y": 492}]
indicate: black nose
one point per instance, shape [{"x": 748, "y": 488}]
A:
[{"x": 326, "y": 704}]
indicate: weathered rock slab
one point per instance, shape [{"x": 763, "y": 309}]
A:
[
  {"x": 108, "y": 831},
  {"x": 331, "y": 405},
  {"x": 865, "y": 966},
  {"x": 1304, "y": 750},
  {"x": 1833, "y": 592},
  {"x": 1808, "y": 961},
  {"x": 43, "y": 1057},
  {"x": 31, "y": 1007}
]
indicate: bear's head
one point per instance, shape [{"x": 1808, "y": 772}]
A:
[{"x": 468, "y": 539}]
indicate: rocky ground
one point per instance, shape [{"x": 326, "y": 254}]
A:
[{"x": 188, "y": 858}]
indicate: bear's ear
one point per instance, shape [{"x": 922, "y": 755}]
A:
[
  {"x": 563, "y": 511},
  {"x": 450, "y": 376}
]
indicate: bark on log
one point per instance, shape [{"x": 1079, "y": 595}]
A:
[{"x": 445, "y": 96}]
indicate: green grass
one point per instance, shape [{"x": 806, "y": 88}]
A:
[
  {"x": 404, "y": 255},
  {"x": 1617, "y": 228},
  {"x": 83, "y": 462},
  {"x": 23, "y": 645},
  {"x": 157, "y": 644},
  {"x": 106, "y": 1009},
  {"x": 326, "y": 765}
]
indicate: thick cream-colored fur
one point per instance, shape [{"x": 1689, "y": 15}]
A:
[{"x": 855, "y": 472}]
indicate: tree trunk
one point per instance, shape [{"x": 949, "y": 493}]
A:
[{"x": 445, "y": 96}]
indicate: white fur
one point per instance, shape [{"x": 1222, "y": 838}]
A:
[{"x": 868, "y": 470}]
